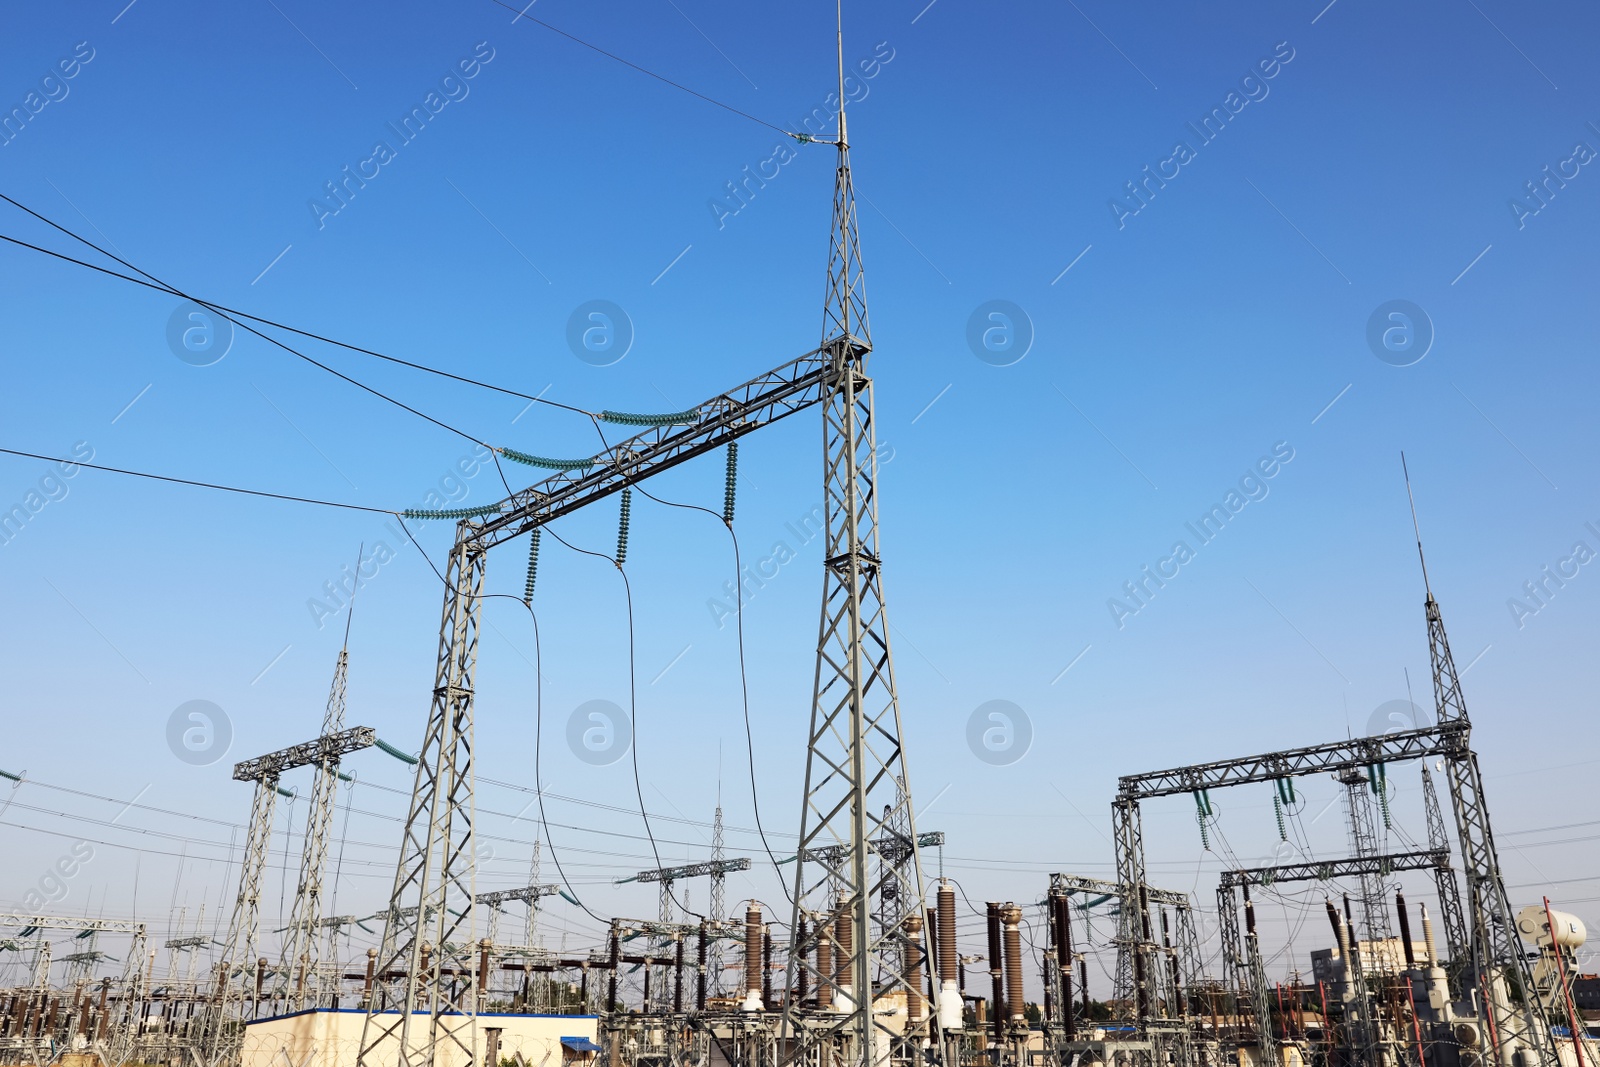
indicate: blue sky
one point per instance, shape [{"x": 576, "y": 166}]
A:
[{"x": 1172, "y": 348}]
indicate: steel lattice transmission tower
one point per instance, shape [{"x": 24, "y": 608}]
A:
[
  {"x": 719, "y": 899},
  {"x": 244, "y": 928},
  {"x": 1499, "y": 964},
  {"x": 1444, "y": 876},
  {"x": 299, "y": 965},
  {"x": 433, "y": 938},
  {"x": 856, "y": 790}
]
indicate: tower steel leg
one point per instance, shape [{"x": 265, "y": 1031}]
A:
[{"x": 430, "y": 931}]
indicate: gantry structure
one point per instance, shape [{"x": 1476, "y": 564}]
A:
[
  {"x": 236, "y": 968},
  {"x": 857, "y": 785},
  {"x": 1496, "y": 968}
]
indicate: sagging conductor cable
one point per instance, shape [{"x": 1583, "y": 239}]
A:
[
  {"x": 538, "y": 717},
  {"x": 312, "y": 335},
  {"x": 633, "y": 697},
  {"x": 201, "y": 485},
  {"x": 167, "y": 287},
  {"x": 729, "y": 487},
  {"x": 744, "y": 680}
]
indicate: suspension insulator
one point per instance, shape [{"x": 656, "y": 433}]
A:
[
  {"x": 1205, "y": 838},
  {"x": 622, "y": 527},
  {"x": 1277, "y": 810},
  {"x": 533, "y": 566},
  {"x": 732, "y": 482}
]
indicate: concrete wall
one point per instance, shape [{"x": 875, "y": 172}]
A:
[{"x": 333, "y": 1038}]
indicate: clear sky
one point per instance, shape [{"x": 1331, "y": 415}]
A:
[{"x": 1198, "y": 220}]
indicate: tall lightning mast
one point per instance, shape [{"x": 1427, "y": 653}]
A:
[
  {"x": 1499, "y": 965},
  {"x": 856, "y": 788}
]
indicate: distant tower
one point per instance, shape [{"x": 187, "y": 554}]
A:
[
  {"x": 719, "y": 902},
  {"x": 530, "y": 931}
]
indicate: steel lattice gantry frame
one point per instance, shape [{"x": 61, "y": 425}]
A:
[
  {"x": 432, "y": 900},
  {"x": 854, "y": 751},
  {"x": 244, "y": 928},
  {"x": 1135, "y": 938},
  {"x": 1496, "y": 955},
  {"x": 529, "y": 895}
]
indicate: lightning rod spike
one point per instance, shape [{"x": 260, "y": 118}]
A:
[{"x": 1416, "y": 528}]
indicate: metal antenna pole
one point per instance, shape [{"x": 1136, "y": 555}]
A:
[
  {"x": 855, "y": 763},
  {"x": 1498, "y": 961}
]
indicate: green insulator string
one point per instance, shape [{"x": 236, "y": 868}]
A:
[
  {"x": 1277, "y": 811},
  {"x": 674, "y": 418},
  {"x": 450, "y": 513},
  {"x": 622, "y": 527},
  {"x": 533, "y": 566},
  {"x": 1286, "y": 791},
  {"x": 1202, "y": 805},
  {"x": 545, "y": 462},
  {"x": 732, "y": 482}
]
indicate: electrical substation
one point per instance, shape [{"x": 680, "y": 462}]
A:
[{"x": 864, "y": 966}]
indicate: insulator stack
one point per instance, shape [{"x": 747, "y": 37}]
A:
[
  {"x": 1277, "y": 811},
  {"x": 732, "y": 482},
  {"x": 752, "y": 958},
  {"x": 844, "y": 938},
  {"x": 1011, "y": 916},
  {"x": 913, "y": 969},
  {"x": 533, "y": 566},
  {"x": 622, "y": 527},
  {"x": 947, "y": 932},
  {"x": 824, "y": 967},
  {"x": 1062, "y": 909},
  {"x": 950, "y": 1004},
  {"x": 1340, "y": 936},
  {"x": 996, "y": 971},
  {"x": 1405, "y": 931},
  {"x": 1427, "y": 938}
]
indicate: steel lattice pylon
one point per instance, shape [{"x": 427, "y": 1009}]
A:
[
  {"x": 299, "y": 965},
  {"x": 244, "y": 929},
  {"x": 856, "y": 791},
  {"x": 435, "y": 937},
  {"x": 1444, "y": 877},
  {"x": 1364, "y": 844},
  {"x": 1497, "y": 955}
]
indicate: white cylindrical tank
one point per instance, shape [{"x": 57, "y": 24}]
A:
[{"x": 1534, "y": 927}]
